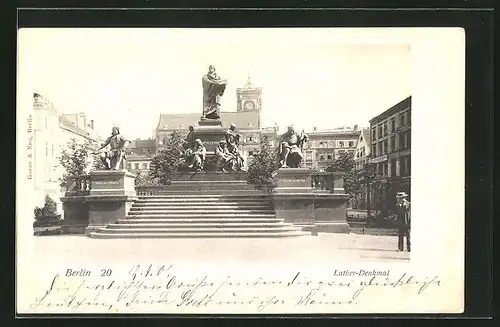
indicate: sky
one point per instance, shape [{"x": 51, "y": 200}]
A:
[{"x": 310, "y": 77}]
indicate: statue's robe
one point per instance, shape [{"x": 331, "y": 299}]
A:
[
  {"x": 116, "y": 144},
  {"x": 295, "y": 142},
  {"x": 189, "y": 141},
  {"x": 213, "y": 89}
]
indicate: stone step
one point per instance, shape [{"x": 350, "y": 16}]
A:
[
  {"x": 216, "y": 196},
  {"x": 198, "y": 203},
  {"x": 200, "y": 225},
  {"x": 199, "y": 229},
  {"x": 164, "y": 214},
  {"x": 200, "y": 220},
  {"x": 195, "y": 206},
  {"x": 202, "y": 211},
  {"x": 220, "y": 234}
]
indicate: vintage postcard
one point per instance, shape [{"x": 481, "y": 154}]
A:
[{"x": 240, "y": 171}]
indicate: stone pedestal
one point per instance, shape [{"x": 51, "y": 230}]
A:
[
  {"x": 210, "y": 132},
  {"x": 74, "y": 205},
  {"x": 111, "y": 196},
  {"x": 296, "y": 202}
]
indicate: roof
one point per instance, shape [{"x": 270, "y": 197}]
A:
[
  {"x": 242, "y": 120},
  {"x": 70, "y": 126},
  {"x": 138, "y": 143},
  {"x": 366, "y": 135},
  {"x": 404, "y": 104}
]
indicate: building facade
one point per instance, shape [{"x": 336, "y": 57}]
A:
[
  {"x": 326, "y": 145},
  {"x": 390, "y": 134},
  {"x": 52, "y": 130},
  {"x": 138, "y": 155}
]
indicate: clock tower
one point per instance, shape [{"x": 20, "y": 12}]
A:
[{"x": 249, "y": 98}]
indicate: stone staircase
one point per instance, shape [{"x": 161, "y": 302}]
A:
[{"x": 236, "y": 211}]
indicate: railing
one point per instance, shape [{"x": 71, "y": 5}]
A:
[
  {"x": 78, "y": 185},
  {"x": 327, "y": 181},
  {"x": 322, "y": 181},
  {"x": 148, "y": 190}
]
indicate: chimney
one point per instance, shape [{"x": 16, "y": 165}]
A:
[
  {"x": 92, "y": 123},
  {"x": 315, "y": 128},
  {"x": 355, "y": 127}
]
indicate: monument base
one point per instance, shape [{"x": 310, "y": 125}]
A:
[
  {"x": 296, "y": 202},
  {"x": 111, "y": 197},
  {"x": 76, "y": 214}
]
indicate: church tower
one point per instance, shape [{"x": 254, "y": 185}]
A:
[{"x": 249, "y": 98}]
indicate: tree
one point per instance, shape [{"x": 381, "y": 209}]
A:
[
  {"x": 144, "y": 179},
  {"x": 262, "y": 166},
  {"x": 372, "y": 181},
  {"x": 344, "y": 164},
  {"x": 75, "y": 158},
  {"x": 168, "y": 159}
]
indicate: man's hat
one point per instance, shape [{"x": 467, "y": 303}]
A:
[
  {"x": 232, "y": 125},
  {"x": 401, "y": 195}
]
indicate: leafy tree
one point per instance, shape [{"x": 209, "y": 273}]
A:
[
  {"x": 168, "y": 159},
  {"x": 344, "y": 164},
  {"x": 75, "y": 158},
  {"x": 262, "y": 166},
  {"x": 144, "y": 179},
  {"x": 372, "y": 181}
]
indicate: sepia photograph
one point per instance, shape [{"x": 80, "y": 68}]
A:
[{"x": 238, "y": 170}]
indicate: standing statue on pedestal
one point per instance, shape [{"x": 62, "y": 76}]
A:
[
  {"x": 290, "y": 148},
  {"x": 113, "y": 158},
  {"x": 213, "y": 89},
  {"x": 233, "y": 141}
]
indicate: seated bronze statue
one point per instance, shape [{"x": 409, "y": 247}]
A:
[
  {"x": 112, "y": 158},
  {"x": 197, "y": 156},
  {"x": 225, "y": 159},
  {"x": 290, "y": 149},
  {"x": 232, "y": 143}
]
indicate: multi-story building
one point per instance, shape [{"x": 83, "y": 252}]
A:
[
  {"x": 325, "y": 145},
  {"x": 52, "y": 130},
  {"x": 138, "y": 155},
  {"x": 363, "y": 149},
  {"x": 391, "y": 149},
  {"x": 247, "y": 119}
]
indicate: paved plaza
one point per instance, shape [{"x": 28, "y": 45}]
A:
[{"x": 323, "y": 248}]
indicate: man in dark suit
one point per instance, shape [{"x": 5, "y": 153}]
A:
[{"x": 404, "y": 220}]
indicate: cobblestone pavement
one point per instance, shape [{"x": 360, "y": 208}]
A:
[{"x": 323, "y": 248}]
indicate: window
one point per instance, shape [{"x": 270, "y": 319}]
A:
[
  {"x": 409, "y": 117},
  {"x": 329, "y": 157},
  {"x": 385, "y": 169},
  {"x": 136, "y": 166},
  {"x": 341, "y": 144},
  {"x": 402, "y": 141},
  {"x": 393, "y": 124},
  {"x": 409, "y": 165},
  {"x": 374, "y": 150},
  {"x": 380, "y": 149},
  {"x": 393, "y": 168},
  {"x": 129, "y": 166},
  {"x": 404, "y": 166},
  {"x": 250, "y": 153},
  {"x": 351, "y": 144},
  {"x": 321, "y": 157},
  {"x": 385, "y": 147},
  {"x": 374, "y": 134},
  {"x": 380, "y": 130},
  {"x": 249, "y": 139},
  {"x": 320, "y": 144},
  {"x": 393, "y": 143},
  {"x": 385, "y": 129},
  {"x": 409, "y": 139},
  {"x": 402, "y": 119},
  {"x": 144, "y": 165}
]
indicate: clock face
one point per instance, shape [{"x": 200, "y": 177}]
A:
[{"x": 249, "y": 105}]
